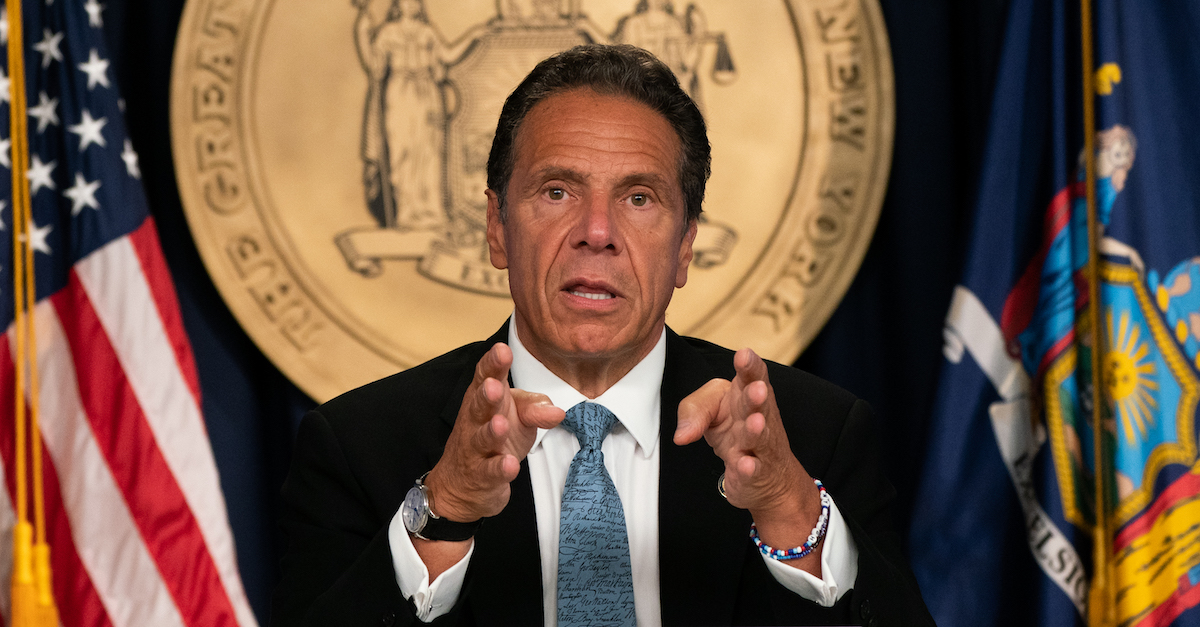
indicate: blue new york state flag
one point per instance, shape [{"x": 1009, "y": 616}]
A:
[{"x": 1008, "y": 501}]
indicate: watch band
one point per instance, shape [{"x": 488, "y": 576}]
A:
[{"x": 442, "y": 529}]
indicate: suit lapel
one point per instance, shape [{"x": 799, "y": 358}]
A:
[
  {"x": 507, "y": 564},
  {"x": 702, "y": 538}
]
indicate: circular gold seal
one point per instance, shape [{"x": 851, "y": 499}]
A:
[{"x": 331, "y": 159}]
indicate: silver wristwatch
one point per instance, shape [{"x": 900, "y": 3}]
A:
[{"x": 420, "y": 521}]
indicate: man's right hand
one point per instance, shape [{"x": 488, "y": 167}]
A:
[{"x": 494, "y": 431}]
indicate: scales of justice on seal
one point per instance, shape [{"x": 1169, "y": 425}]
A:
[
  {"x": 331, "y": 159},
  {"x": 431, "y": 109}
]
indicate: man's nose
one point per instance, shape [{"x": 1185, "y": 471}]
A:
[{"x": 597, "y": 229}]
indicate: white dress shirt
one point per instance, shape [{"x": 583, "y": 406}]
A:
[{"x": 631, "y": 458}]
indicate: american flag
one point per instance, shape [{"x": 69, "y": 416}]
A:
[{"x": 134, "y": 512}]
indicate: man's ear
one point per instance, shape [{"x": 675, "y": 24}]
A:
[
  {"x": 685, "y": 253},
  {"x": 495, "y": 232}
]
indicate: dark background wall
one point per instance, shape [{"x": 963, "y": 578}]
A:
[{"x": 883, "y": 343}]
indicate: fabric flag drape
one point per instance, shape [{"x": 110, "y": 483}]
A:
[
  {"x": 1007, "y": 504},
  {"x": 134, "y": 511}
]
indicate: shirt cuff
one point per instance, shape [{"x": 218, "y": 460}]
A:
[
  {"x": 839, "y": 566},
  {"x": 432, "y": 600}
]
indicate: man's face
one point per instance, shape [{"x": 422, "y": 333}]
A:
[{"x": 595, "y": 240}]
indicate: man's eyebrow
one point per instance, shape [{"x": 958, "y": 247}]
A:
[
  {"x": 652, "y": 180},
  {"x": 649, "y": 179},
  {"x": 556, "y": 172}
]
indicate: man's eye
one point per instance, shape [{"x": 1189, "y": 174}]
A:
[
  {"x": 556, "y": 194},
  {"x": 639, "y": 200}
]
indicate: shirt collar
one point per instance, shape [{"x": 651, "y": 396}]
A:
[{"x": 636, "y": 399}]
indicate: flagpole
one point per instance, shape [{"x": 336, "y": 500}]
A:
[
  {"x": 32, "y": 601},
  {"x": 1101, "y": 605},
  {"x": 22, "y": 582}
]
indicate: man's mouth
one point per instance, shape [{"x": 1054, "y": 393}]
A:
[
  {"x": 593, "y": 296},
  {"x": 591, "y": 290}
]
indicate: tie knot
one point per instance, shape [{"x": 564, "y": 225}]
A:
[{"x": 590, "y": 422}]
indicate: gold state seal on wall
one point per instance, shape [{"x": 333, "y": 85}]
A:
[{"x": 331, "y": 158}]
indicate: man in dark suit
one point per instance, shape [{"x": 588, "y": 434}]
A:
[{"x": 434, "y": 494}]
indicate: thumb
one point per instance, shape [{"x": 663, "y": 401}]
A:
[
  {"x": 536, "y": 410},
  {"x": 699, "y": 411}
]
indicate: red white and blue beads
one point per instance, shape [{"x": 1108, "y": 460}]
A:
[{"x": 814, "y": 538}]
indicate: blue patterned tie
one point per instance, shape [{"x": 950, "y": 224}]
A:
[{"x": 595, "y": 582}]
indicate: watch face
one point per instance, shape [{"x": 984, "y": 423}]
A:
[{"x": 414, "y": 511}]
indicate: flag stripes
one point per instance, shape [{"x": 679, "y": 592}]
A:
[
  {"x": 162, "y": 290},
  {"x": 130, "y": 308},
  {"x": 110, "y": 548},
  {"x": 125, "y": 438},
  {"x": 124, "y": 479}
]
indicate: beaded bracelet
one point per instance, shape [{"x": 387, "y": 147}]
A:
[{"x": 814, "y": 538}]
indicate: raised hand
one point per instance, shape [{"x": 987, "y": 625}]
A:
[
  {"x": 494, "y": 431},
  {"x": 740, "y": 420}
]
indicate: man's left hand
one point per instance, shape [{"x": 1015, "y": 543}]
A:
[{"x": 740, "y": 420}]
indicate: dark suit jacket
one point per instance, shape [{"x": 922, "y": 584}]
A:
[{"x": 357, "y": 455}]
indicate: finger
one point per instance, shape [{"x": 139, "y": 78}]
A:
[
  {"x": 497, "y": 470},
  {"x": 500, "y": 468},
  {"x": 494, "y": 391},
  {"x": 489, "y": 439},
  {"x": 743, "y": 438},
  {"x": 489, "y": 386},
  {"x": 750, "y": 367},
  {"x": 754, "y": 383},
  {"x": 755, "y": 425},
  {"x": 746, "y": 466},
  {"x": 739, "y": 472},
  {"x": 485, "y": 399},
  {"x": 756, "y": 393},
  {"x": 699, "y": 411},
  {"x": 494, "y": 364},
  {"x": 739, "y": 477},
  {"x": 509, "y": 468},
  {"x": 536, "y": 410}
]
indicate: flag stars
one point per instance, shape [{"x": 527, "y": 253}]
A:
[
  {"x": 37, "y": 237},
  {"x": 39, "y": 175},
  {"x": 82, "y": 194},
  {"x": 88, "y": 131},
  {"x": 45, "y": 111},
  {"x": 4, "y": 24},
  {"x": 93, "y": 9},
  {"x": 5, "y": 149},
  {"x": 96, "y": 70},
  {"x": 130, "y": 157},
  {"x": 48, "y": 46},
  {"x": 4, "y": 86}
]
